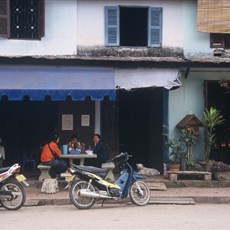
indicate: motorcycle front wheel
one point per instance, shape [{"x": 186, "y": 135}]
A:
[
  {"x": 76, "y": 199},
  {"x": 139, "y": 193},
  {"x": 17, "y": 198}
]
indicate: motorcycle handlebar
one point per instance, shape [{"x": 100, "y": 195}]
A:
[{"x": 119, "y": 156}]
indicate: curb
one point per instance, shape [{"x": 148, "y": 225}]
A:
[
  {"x": 212, "y": 199},
  {"x": 197, "y": 199}
]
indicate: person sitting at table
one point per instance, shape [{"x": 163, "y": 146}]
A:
[
  {"x": 50, "y": 156},
  {"x": 100, "y": 149},
  {"x": 74, "y": 145}
]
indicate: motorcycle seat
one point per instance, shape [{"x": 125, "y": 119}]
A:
[
  {"x": 2, "y": 170},
  {"x": 98, "y": 171}
]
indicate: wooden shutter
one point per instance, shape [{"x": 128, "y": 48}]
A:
[
  {"x": 41, "y": 18},
  {"x": 213, "y": 16},
  {"x": 112, "y": 26},
  {"x": 155, "y": 27},
  {"x": 4, "y": 18}
]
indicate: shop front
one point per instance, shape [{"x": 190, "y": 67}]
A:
[
  {"x": 127, "y": 106},
  {"x": 39, "y": 100}
]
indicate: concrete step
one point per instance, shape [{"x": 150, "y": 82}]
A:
[
  {"x": 156, "y": 186},
  {"x": 172, "y": 200}
]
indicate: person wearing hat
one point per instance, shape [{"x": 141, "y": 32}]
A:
[
  {"x": 50, "y": 156},
  {"x": 2, "y": 153}
]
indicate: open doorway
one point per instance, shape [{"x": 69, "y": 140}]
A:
[
  {"x": 141, "y": 123},
  {"x": 219, "y": 97}
]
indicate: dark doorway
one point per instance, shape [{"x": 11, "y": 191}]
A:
[
  {"x": 133, "y": 26},
  {"x": 219, "y": 97},
  {"x": 110, "y": 125},
  {"x": 141, "y": 123},
  {"x": 25, "y": 125}
]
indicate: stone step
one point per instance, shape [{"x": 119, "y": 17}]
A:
[
  {"x": 156, "y": 186},
  {"x": 172, "y": 200}
]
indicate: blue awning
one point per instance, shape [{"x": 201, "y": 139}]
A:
[{"x": 37, "y": 82}]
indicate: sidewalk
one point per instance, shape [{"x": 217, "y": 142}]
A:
[{"x": 219, "y": 195}]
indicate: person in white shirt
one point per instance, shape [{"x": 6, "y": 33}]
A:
[{"x": 2, "y": 153}]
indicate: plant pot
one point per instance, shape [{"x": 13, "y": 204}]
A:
[{"x": 174, "y": 167}]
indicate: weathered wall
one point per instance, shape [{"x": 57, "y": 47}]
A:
[
  {"x": 70, "y": 24},
  {"x": 189, "y": 98},
  {"x": 91, "y": 25},
  {"x": 60, "y": 33},
  {"x": 196, "y": 44}
]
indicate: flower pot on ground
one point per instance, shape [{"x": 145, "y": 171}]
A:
[{"x": 174, "y": 167}]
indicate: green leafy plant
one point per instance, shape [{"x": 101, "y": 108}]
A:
[
  {"x": 191, "y": 165},
  {"x": 177, "y": 150},
  {"x": 190, "y": 139},
  {"x": 211, "y": 118}
]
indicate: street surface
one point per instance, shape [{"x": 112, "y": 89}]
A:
[{"x": 118, "y": 217}]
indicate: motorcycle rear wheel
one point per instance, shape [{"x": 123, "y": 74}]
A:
[
  {"x": 139, "y": 193},
  {"x": 78, "y": 201},
  {"x": 18, "y": 198}
]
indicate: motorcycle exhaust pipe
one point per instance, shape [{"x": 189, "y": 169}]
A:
[{"x": 93, "y": 195}]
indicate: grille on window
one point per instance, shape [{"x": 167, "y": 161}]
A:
[{"x": 24, "y": 19}]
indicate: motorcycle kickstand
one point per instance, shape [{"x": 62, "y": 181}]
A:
[{"x": 102, "y": 204}]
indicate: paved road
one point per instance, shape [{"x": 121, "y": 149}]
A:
[{"x": 118, "y": 217}]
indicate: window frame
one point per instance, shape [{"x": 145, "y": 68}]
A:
[
  {"x": 155, "y": 27},
  {"x": 222, "y": 40},
  {"x": 150, "y": 26},
  {"x": 7, "y": 18},
  {"x": 107, "y": 26}
]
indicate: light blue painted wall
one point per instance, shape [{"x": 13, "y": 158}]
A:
[
  {"x": 190, "y": 98},
  {"x": 195, "y": 43}
]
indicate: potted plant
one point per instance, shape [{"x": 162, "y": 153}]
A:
[
  {"x": 177, "y": 151},
  {"x": 211, "y": 118}
]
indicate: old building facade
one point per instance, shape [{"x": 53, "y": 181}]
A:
[{"x": 132, "y": 66}]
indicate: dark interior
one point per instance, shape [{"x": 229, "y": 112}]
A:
[
  {"x": 133, "y": 26},
  {"x": 28, "y": 125},
  {"x": 219, "y": 97},
  {"x": 25, "y": 125},
  {"x": 141, "y": 123}
]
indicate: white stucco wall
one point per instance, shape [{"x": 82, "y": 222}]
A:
[
  {"x": 60, "y": 33},
  {"x": 91, "y": 20},
  {"x": 189, "y": 98},
  {"x": 195, "y": 43},
  {"x": 69, "y": 23}
]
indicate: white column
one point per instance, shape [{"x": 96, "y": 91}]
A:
[{"x": 98, "y": 117}]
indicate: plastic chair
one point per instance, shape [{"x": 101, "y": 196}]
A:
[{"x": 27, "y": 160}]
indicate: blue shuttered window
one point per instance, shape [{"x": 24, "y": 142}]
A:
[
  {"x": 155, "y": 27},
  {"x": 112, "y": 26}
]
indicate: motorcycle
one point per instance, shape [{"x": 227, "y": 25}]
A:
[
  {"x": 88, "y": 184},
  {"x": 12, "y": 193}
]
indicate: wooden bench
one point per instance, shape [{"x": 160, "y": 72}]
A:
[
  {"x": 110, "y": 166},
  {"x": 174, "y": 174},
  {"x": 44, "y": 169}
]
